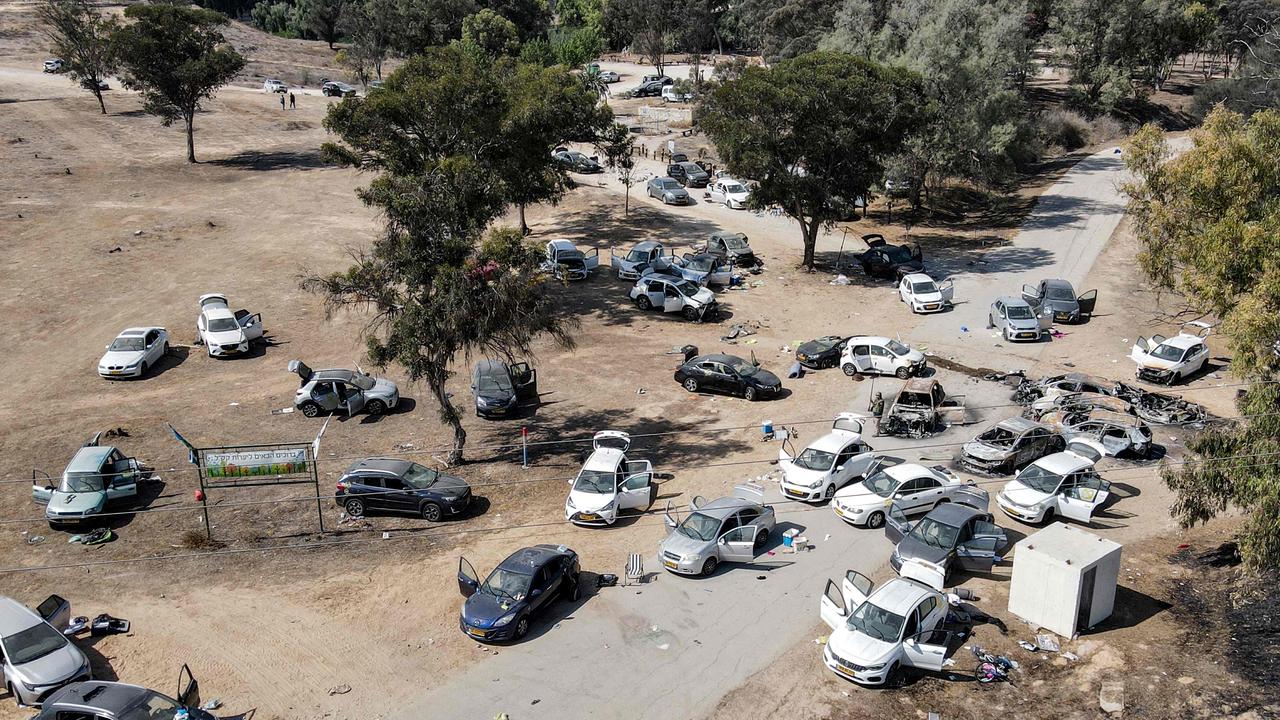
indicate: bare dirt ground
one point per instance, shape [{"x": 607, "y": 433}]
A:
[{"x": 106, "y": 227}]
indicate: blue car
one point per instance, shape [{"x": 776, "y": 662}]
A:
[{"x": 524, "y": 584}]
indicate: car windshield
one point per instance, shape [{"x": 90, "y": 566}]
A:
[
  {"x": 596, "y": 481},
  {"x": 638, "y": 256},
  {"x": 492, "y": 381},
  {"x": 877, "y": 622},
  {"x": 699, "y": 527},
  {"x": 81, "y": 482},
  {"x": 823, "y": 344},
  {"x": 223, "y": 324},
  {"x": 881, "y": 484},
  {"x": 686, "y": 288},
  {"x": 700, "y": 263},
  {"x": 997, "y": 436},
  {"x": 1167, "y": 352},
  {"x": 935, "y": 534},
  {"x": 897, "y": 348},
  {"x": 1019, "y": 312},
  {"x": 420, "y": 477},
  {"x": 668, "y": 184},
  {"x": 897, "y": 254},
  {"x": 922, "y": 288},
  {"x": 125, "y": 344},
  {"x": 742, "y": 367},
  {"x": 153, "y": 707},
  {"x": 914, "y": 399},
  {"x": 508, "y": 584},
  {"x": 33, "y": 643},
  {"x": 577, "y": 156},
  {"x": 736, "y": 242},
  {"x": 1060, "y": 293},
  {"x": 364, "y": 382},
  {"x": 734, "y": 188},
  {"x": 814, "y": 459},
  {"x": 1040, "y": 480}
]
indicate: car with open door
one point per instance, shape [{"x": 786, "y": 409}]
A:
[
  {"x": 1063, "y": 484},
  {"x": 824, "y": 352},
  {"x": 728, "y": 529},
  {"x": 733, "y": 193},
  {"x": 97, "y": 475},
  {"x": 912, "y": 487},
  {"x": 728, "y": 374},
  {"x": 502, "y": 607},
  {"x": 1017, "y": 320},
  {"x": 500, "y": 388},
  {"x": 1109, "y": 433},
  {"x": 1168, "y": 360},
  {"x": 873, "y": 355},
  {"x": 732, "y": 247},
  {"x": 674, "y": 295},
  {"x": 102, "y": 700},
  {"x": 345, "y": 391},
  {"x": 1059, "y": 298},
  {"x": 1009, "y": 445},
  {"x": 134, "y": 351},
  {"x": 648, "y": 255},
  {"x": 401, "y": 486},
  {"x": 566, "y": 262},
  {"x": 609, "y": 482},
  {"x": 38, "y": 658},
  {"x": 876, "y": 632},
  {"x": 702, "y": 268},
  {"x": 957, "y": 534},
  {"x": 689, "y": 174},
  {"x": 892, "y": 262},
  {"x": 828, "y": 463},
  {"x": 923, "y": 294},
  {"x": 223, "y": 332}
]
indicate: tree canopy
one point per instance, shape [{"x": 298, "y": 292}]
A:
[{"x": 81, "y": 37}]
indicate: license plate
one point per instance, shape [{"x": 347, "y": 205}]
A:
[
  {"x": 671, "y": 564},
  {"x": 844, "y": 670},
  {"x": 838, "y": 511},
  {"x": 587, "y": 516},
  {"x": 115, "y": 372},
  {"x": 475, "y": 632},
  {"x": 930, "y": 307},
  {"x": 797, "y": 493}
]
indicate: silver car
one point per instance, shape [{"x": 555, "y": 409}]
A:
[
  {"x": 38, "y": 658},
  {"x": 730, "y": 529},
  {"x": 97, "y": 475},
  {"x": 668, "y": 191},
  {"x": 1017, "y": 320},
  {"x": 348, "y": 391}
]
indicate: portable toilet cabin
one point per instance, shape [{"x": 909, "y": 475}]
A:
[{"x": 1064, "y": 579}]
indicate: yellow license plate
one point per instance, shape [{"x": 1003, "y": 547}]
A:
[
  {"x": 670, "y": 564},
  {"x": 115, "y": 372},
  {"x": 587, "y": 516},
  {"x": 838, "y": 510},
  {"x": 475, "y": 632},
  {"x": 930, "y": 307},
  {"x": 844, "y": 670},
  {"x": 797, "y": 493}
]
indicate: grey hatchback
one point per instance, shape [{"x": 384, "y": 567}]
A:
[
  {"x": 1017, "y": 320},
  {"x": 731, "y": 529}
]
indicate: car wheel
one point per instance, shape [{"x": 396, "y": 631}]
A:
[
  {"x": 310, "y": 409},
  {"x": 849, "y": 369},
  {"x": 376, "y": 407},
  {"x": 990, "y": 323},
  {"x": 1047, "y": 517},
  {"x": 689, "y": 312},
  {"x": 749, "y": 394},
  {"x": 691, "y": 385},
  {"x": 903, "y": 373},
  {"x": 875, "y": 520},
  {"x": 762, "y": 538},
  {"x": 355, "y": 508},
  {"x": 893, "y": 678},
  {"x": 829, "y": 493},
  {"x": 575, "y": 588},
  {"x": 431, "y": 511},
  {"x": 522, "y": 627},
  {"x": 644, "y": 303},
  {"x": 709, "y": 566}
]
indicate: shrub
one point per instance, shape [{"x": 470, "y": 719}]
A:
[{"x": 1064, "y": 129}]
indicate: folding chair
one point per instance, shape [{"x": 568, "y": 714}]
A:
[{"x": 634, "y": 573}]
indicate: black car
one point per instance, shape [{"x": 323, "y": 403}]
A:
[
  {"x": 653, "y": 88},
  {"x": 401, "y": 486},
  {"x": 500, "y": 388},
  {"x": 689, "y": 174},
  {"x": 524, "y": 584},
  {"x": 333, "y": 88},
  {"x": 821, "y": 353},
  {"x": 889, "y": 261},
  {"x": 732, "y": 247},
  {"x": 728, "y": 374},
  {"x": 578, "y": 162}
]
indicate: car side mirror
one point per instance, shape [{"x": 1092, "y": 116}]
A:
[
  {"x": 535, "y": 593},
  {"x": 724, "y": 541}
]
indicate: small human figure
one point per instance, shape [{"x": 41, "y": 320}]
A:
[
  {"x": 877, "y": 404},
  {"x": 293, "y": 102},
  {"x": 282, "y": 101}
]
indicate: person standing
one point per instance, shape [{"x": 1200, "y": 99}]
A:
[
  {"x": 281, "y": 101},
  {"x": 293, "y": 102}
]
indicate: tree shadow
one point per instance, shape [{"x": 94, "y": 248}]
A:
[{"x": 278, "y": 160}]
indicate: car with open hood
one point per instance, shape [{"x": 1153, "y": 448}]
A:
[
  {"x": 1059, "y": 298},
  {"x": 828, "y": 463},
  {"x": 96, "y": 476},
  {"x": 668, "y": 190},
  {"x": 37, "y": 657},
  {"x": 1110, "y": 434},
  {"x": 134, "y": 351},
  {"x": 503, "y": 606},
  {"x": 923, "y": 294},
  {"x": 728, "y": 374},
  {"x": 913, "y": 488},
  {"x": 401, "y": 486},
  {"x": 732, "y": 247},
  {"x": 952, "y": 535},
  {"x": 702, "y": 268},
  {"x": 1017, "y": 320},
  {"x": 1169, "y": 360},
  {"x": 823, "y": 352},
  {"x": 878, "y": 631},
  {"x": 728, "y": 529},
  {"x": 103, "y": 700},
  {"x": 1009, "y": 445},
  {"x": 645, "y": 256},
  {"x": 609, "y": 482},
  {"x": 674, "y": 295},
  {"x": 892, "y": 262},
  {"x": 874, "y": 355},
  {"x": 500, "y": 388},
  {"x": 1062, "y": 484},
  {"x": 566, "y": 262},
  {"x": 223, "y": 332},
  {"x": 733, "y": 193},
  {"x": 339, "y": 390}
]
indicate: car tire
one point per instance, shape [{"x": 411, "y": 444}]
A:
[
  {"x": 575, "y": 589},
  {"x": 903, "y": 373},
  {"x": 691, "y": 385},
  {"x": 376, "y": 407},
  {"x": 849, "y": 369},
  {"x": 354, "y": 507},
  {"x": 893, "y": 678},
  {"x": 310, "y": 409},
  {"x": 522, "y": 627},
  {"x": 431, "y": 512},
  {"x": 644, "y": 303},
  {"x": 829, "y": 493},
  {"x": 689, "y": 312},
  {"x": 990, "y": 323},
  {"x": 709, "y": 566},
  {"x": 1047, "y": 517},
  {"x": 875, "y": 520},
  {"x": 762, "y": 538},
  {"x": 749, "y": 394}
]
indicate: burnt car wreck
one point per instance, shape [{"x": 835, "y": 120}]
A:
[
  {"x": 920, "y": 409},
  {"x": 1076, "y": 391}
]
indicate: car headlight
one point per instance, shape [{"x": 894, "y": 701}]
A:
[
  {"x": 482, "y": 402},
  {"x": 814, "y": 484},
  {"x": 449, "y": 498},
  {"x": 874, "y": 667},
  {"x": 858, "y": 511},
  {"x": 505, "y": 619}
]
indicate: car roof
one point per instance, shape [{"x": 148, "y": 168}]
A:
[
  {"x": 1018, "y": 424},
  {"x": 1063, "y": 462},
  {"x": 89, "y": 459},
  {"x": 833, "y": 441},
  {"x": 130, "y": 332},
  {"x": 527, "y": 560},
  {"x": 869, "y": 339},
  {"x": 1183, "y": 341},
  {"x": 1059, "y": 283},
  {"x": 649, "y": 244},
  {"x": 99, "y": 695},
  {"x": 1112, "y": 416},
  {"x": 917, "y": 277},
  {"x": 907, "y": 471},
  {"x": 1084, "y": 378},
  {"x": 919, "y": 385},
  {"x": 604, "y": 458},
  {"x": 900, "y": 595},
  {"x": 395, "y": 466},
  {"x": 333, "y": 374},
  {"x": 1013, "y": 301},
  {"x": 562, "y": 244},
  {"x": 954, "y": 514},
  {"x": 689, "y": 164},
  {"x": 488, "y": 366},
  {"x": 663, "y": 179},
  {"x": 16, "y": 617},
  {"x": 718, "y": 357},
  {"x": 720, "y": 508}
]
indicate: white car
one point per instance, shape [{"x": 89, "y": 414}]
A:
[
  {"x": 648, "y": 255},
  {"x": 673, "y": 294},
  {"x": 271, "y": 85},
  {"x": 669, "y": 94},
  {"x": 913, "y": 488},
  {"x": 828, "y": 463},
  {"x": 609, "y": 76},
  {"x": 733, "y": 193},
  {"x": 877, "y": 631},
  {"x": 133, "y": 352},
  {"x": 1064, "y": 483},
  {"x": 1168, "y": 360},
  {"x": 223, "y": 332},
  {"x": 871, "y": 355},
  {"x": 609, "y": 482},
  {"x": 923, "y": 295},
  {"x": 54, "y": 65}
]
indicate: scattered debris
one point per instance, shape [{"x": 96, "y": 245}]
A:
[
  {"x": 1111, "y": 697},
  {"x": 213, "y": 704},
  {"x": 1047, "y": 642},
  {"x": 841, "y": 280},
  {"x": 342, "y": 689}
]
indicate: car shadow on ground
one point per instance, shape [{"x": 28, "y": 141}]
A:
[
  {"x": 562, "y": 609},
  {"x": 177, "y": 355},
  {"x": 405, "y": 406},
  {"x": 99, "y": 664}
]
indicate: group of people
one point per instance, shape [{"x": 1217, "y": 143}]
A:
[{"x": 293, "y": 102}]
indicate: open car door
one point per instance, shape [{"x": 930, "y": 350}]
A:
[
  {"x": 525, "y": 380},
  {"x": 188, "y": 688},
  {"x": 931, "y": 574},
  {"x": 848, "y": 422},
  {"x": 42, "y": 487},
  {"x": 947, "y": 288},
  {"x": 738, "y": 545},
  {"x": 669, "y": 517},
  {"x": 250, "y": 323},
  {"x": 751, "y": 492},
  {"x": 832, "y": 606},
  {"x": 896, "y": 525},
  {"x": 1080, "y": 501},
  {"x": 856, "y": 588},
  {"x": 926, "y": 650},
  {"x": 1088, "y": 301},
  {"x": 1044, "y": 315},
  {"x": 720, "y": 274},
  {"x": 978, "y": 554},
  {"x": 592, "y": 259},
  {"x": 468, "y": 580},
  {"x": 56, "y": 611},
  {"x": 973, "y": 496},
  {"x": 611, "y": 439},
  {"x": 637, "y": 486},
  {"x": 1031, "y": 295}
]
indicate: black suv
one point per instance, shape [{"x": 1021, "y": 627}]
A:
[
  {"x": 401, "y": 486},
  {"x": 889, "y": 261},
  {"x": 689, "y": 174}
]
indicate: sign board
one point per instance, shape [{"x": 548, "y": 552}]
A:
[
  {"x": 256, "y": 463},
  {"x": 671, "y": 146}
]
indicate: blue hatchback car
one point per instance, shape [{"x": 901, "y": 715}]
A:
[{"x": 524, "y": 584}]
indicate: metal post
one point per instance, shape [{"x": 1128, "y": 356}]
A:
[
  {"x": 315, "y": 478},
  {"x": 524, "y": 440},
  {"x": 204, "y": 500}
]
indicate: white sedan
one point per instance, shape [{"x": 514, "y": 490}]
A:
[
  {"x": 609, "y": 76},
  {"x": 877, "y": 631},
  {"x": 913, "y": 488},
  {"x": 609, "y": 482},
  {"x": 923, "y": 295},
  {"x": 733, "y": 193},
  {"x": 133, "y": 352},
  {"x": 224, "y": 332},
  {"x": 828, "y": 463},
  {"x": 1064, "y": 483},
  {"x": 1168, "y": 360}
]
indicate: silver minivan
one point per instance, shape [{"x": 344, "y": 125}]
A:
[{"x": 38, "y": 658}]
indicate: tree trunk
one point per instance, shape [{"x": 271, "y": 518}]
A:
[
  {"x": 191, "y": 140},
  {"x": 524, "y": 227},
  {"x": 626, "y": 199},
  {"x": 449, "y": 415},
  {"x": 810, "y": 231},
  {"x": 98, "y": 94}
]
